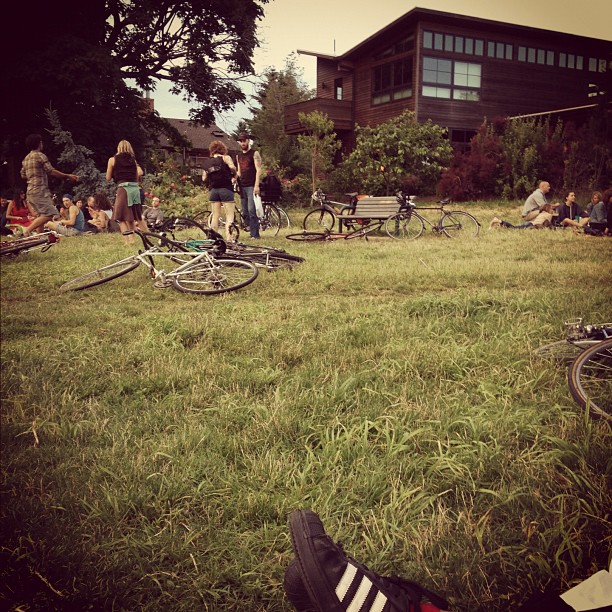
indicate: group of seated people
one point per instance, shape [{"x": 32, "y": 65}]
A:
[
  {"x": 74, "y": 217},
  {"x": 539, "y": 213}
]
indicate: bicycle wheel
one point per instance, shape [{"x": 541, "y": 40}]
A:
[
  {"x": 307, "y": 236},
  {"x": 22, "y": 245},
  {"x": 563, "y": 350},
  {"x": 318, "y": 219},
  {"x": 274, "y": 261},
  {"x": 458, "y": 223},
  {"x": 364, "y": 230},
  {"x": 215, "y": 276},
  {"x": 271, "y": 221},
  {"x": 590, "y": 379},
  {"x": 285, "y": 221},
  {"x": 404, "y": 226},
  {"x": 101, "y": 275},
  {"x": 185, "y": 228}
]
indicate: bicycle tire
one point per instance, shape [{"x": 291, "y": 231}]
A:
[
  {"x": 318, "y": 219},
  {"x": 101, "y": 275},
  {"x": 270, "y": 224},
  {"x": 215, "y": 276},
  {"x": 274, "y": 261},
  {"x": 563, "y": 350},
  {"x": 285, "y": 220},
  {"x": 590, "y": 379},
  {"x": 458, "y": 223},
  {"x": 307, "y": 236},
  {"x": 186, "y": 228},
  {"x": 15, "y": 249},
  {"x": 246, "y": 250},
  {"x": 404, "y": 226},
  {"x": 364, "y": 231}
]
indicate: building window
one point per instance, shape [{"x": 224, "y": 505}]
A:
[
  {"x": 460, "y": 138},
  {"x": 443, "y": 78},
  {"x": 451, "y": 43},
  {"x": 392, "y": 81},
  {"x": 338, "y": 91},
  {"x": 597, "y": 65}
]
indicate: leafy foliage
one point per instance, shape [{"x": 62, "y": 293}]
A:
[
  {"x": 398, "y": 154},
  {"x": 78, "y": 159},
  {"x": 508, "y": 159},
  {"x": 277, "y": 89},
  {"x": 77, "y": 60},
  {"x": 319, "y": 145}
]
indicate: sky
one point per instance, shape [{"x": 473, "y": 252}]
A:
[{"x": 321, "y": 26}]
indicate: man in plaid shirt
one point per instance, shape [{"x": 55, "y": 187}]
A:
[{"x": 36, "y": 169}]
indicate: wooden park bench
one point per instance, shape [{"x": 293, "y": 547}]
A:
[{"x": 377, "y": 208}]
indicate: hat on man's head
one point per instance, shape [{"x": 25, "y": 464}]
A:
[
  {"x": 67, "y": 195},
  {"x": 243, "y": 136}
]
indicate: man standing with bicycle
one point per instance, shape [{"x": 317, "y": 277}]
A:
[{"x": 249, "y": 171}]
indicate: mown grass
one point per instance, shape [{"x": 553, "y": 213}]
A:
[{"x": 154, "y": 443}]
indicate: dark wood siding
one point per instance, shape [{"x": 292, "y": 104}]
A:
[
  {"x": 327, "y": 72},
  {"x": 508, "y": 87},
  {"x": 511, "y": 87}
]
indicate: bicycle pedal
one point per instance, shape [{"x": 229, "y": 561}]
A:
[{"x": 162, "y": 284}]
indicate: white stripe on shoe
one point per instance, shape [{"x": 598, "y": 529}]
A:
[
  {"x": 360, "y": 595},
  {"x": 362, "y": 592},
  {"x": 345, "y": 581}
]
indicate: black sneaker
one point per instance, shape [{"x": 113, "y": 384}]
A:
[
  {"x": 295, "y": 589},
  {"x": 335, "y": 582}
]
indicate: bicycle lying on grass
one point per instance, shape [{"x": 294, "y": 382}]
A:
[
  {"x": 268, "y": 258},
  {"x": 36, "y": 242},
  {"x": 329, "y": 236},
  {"x": 197, "y": 272},
  {"x": 588, "y": 349}
]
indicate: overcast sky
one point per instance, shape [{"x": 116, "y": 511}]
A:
[{"x": 321, "y": 26}]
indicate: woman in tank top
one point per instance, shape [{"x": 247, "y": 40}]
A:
[{"x": 125, "y": 171}]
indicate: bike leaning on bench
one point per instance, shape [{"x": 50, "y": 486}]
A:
[{"x": 409, "y": 222}]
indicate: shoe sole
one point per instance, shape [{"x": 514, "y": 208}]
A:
[{"x": 305, "y": 525}]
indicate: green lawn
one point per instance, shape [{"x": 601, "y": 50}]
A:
[{"x": 154, "y": 443}]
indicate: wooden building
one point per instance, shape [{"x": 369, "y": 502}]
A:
[
  {"x": 199, "y": 138},
  {"x": 456, "y": 71}
]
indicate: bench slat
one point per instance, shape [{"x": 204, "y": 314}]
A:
[{"x": 374, "y": 208}]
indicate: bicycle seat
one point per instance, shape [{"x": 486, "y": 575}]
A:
[
  {"x": 354, "y": 194},
  {"x": 445, "y": 201}
]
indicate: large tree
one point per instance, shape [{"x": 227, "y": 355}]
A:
[
  {"x": 76, "y": 56},
  {"x": 277, "y": 89}
]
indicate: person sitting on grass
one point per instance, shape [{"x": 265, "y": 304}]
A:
[
  {"x": 74, "y": 225},
  {"x": 543, "y": 219},
  {"x": 19, "y": 213},
  {"x": 598, "y": 216},
  {"x": 101, "y": 211},
  {"x": 153, "y": 215},
  {"x": 535, "y": 203},
  {"x": 570, "y": 214}
]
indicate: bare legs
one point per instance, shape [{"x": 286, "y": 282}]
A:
[
  {"x": 230, "y": 214},
  {"x": 41, "y": 220}
]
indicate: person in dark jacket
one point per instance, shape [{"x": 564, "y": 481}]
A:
[{"x": 570, "y": 214}]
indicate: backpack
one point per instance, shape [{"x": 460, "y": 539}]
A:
[{"x": 218, "y": 173}]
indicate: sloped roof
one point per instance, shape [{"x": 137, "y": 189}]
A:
[{"x": 199, "y": 136}]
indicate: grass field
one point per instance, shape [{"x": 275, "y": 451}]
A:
[{"x": 154, "y": 443}]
